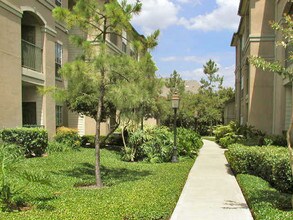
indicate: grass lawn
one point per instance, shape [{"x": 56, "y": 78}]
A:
[
  {"x": 209, "y": 138},
  {"x": 265, "y": 202},
  {"x": 132, "y": 190}
]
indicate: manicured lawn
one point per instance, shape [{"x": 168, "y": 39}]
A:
[
  {"x": 265, "y": 202},
  {"x": 132, "y": 190}
]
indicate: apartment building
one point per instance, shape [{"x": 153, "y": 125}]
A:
[
  {"x": 263, "y": 99},
  {"x": 33, "y": 47}
]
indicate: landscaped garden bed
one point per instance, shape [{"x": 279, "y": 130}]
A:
[{"x": 132, "y": 190}]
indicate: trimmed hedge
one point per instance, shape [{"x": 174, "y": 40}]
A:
[
  {"x": 68, "y": 136},
  {"x": 34, "y": 141},
  {"x": 268, "y": 162}
]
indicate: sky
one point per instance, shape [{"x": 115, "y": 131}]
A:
[{"x": 192, "y": 32}]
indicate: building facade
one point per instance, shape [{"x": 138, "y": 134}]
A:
[
  {"x": 263, "y": 99},
  {"x": 33, "y": 47}
]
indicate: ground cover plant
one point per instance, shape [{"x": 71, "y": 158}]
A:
[
  {"x": 132, "y": 190},
  {"x": 265, "y": 202}
]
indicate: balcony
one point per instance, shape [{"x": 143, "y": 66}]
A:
[{"x": 31, "y": 56}]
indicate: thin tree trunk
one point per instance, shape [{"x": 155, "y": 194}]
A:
[
  {"x": 290, "y": 145},
  {"x": 99, "y": 183}
]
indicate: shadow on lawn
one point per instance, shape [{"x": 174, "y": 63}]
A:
[{"x": 110, "y": 176}]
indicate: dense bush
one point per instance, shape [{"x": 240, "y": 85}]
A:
[
  {"x": 33, "y": 141},
  {"x": 189, "y": 142},
  {"x": 88, "y": 141},
  {"x": 156, "y": 144},
  {"x": 268, "y": 162},
  {"x": 247, "y": 135},
  {"x": 68, "y": 136}
]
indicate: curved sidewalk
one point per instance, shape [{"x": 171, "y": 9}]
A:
[{"x": 211, "y": 191}]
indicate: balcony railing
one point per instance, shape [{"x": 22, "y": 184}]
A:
[{"x": 31, "y": 56}]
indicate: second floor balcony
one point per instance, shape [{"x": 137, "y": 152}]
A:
[{"x": 31, "y": 56}]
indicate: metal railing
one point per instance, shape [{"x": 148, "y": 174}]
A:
[{"x": 31, "y": 56}]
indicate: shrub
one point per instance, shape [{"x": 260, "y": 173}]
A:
[
  {"x": 33, "y": 141},
  {"x": 221, "y": 130},
  {"x": 189, "y": 142},
  {"x": 68, "y": 136},
  {"x": 88, "y": 141},
  {"x": 268, "y": 162},
  {"x": 155, "y": 144},
  {"x": 276, "y": 140}
]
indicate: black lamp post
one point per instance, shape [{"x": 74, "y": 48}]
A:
[{"x": 175, "y": 105}]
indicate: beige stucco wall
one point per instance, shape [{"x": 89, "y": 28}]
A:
[
  {"x": 47, "y": 33},
  {"x": 10, "y": 70}
]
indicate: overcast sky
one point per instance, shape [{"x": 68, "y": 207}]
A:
[{"x": 192, "y": 31}]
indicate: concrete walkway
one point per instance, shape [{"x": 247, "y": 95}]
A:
[{"x": 211, "y": 191}]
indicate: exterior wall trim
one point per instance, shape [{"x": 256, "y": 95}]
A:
[
  {"x": 7, "y": 6},
  {"x": 49, "y": 30},
  {"x": 32, "y": 76},
  {"x": 61, "y": 27},
  {"x": 48, "y": 4}
]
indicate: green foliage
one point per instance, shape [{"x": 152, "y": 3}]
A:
[
  {"x": 11, "y": 157},
  {"x": 189, "y": 142},
  {"x": 266, "y": 202},
  {"x": 155, "y": 144},
  {"x": 211, "y": 99},
  {"x": 88, "y": 141},
  {"x": 54, "y": 146},
  {"x": 175, "y": 84},
  {"x": 33, "y": 141},
  {"x": 133, "y": 190},
  {"x": 68, "y": 136},
  {"x": 268, "y": 162}
]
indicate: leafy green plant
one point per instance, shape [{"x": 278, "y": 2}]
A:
[
  {"x": 268, "y": 162},
  {"x": 88, "y": 141},
  {"x": 33, "y": 141},
  {"x": 68, "y": 136},
  {"x": 189, "y": 142},
  {"x": 155, "y": 144}
]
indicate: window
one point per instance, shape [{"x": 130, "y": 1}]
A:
[
  {"x": 59, "y": 115},
  {"x": 58, "y": 58},
  {"x": 124, "y": 41},
  {"x": 113, "y": 38},
  {"x": 58, "y": 2},
  {"x": 124, "y": 47}
]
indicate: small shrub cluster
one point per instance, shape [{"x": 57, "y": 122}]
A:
[
  {"x": 68, "y": 136},
  {"x": 33, "y": 141},
  {"x": 268, "y": 162},
  {"x": 88, "y": 141},
  {"x": 189, "y": 142},
  {"x": 155, "y": 145},
  {"x": 226, "y": 135}
]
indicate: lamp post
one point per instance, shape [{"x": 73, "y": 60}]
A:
[{"x": 175, "y": 105}]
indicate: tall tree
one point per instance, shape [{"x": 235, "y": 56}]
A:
[
  {"x": 93, "y": 75},
  {"x": 175, "y": 84},
  {"x": 286, "y": 28},
  {"x": 211, "y": 97}
]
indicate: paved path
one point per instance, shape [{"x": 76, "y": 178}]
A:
[{"x": 211, "y": 191}]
